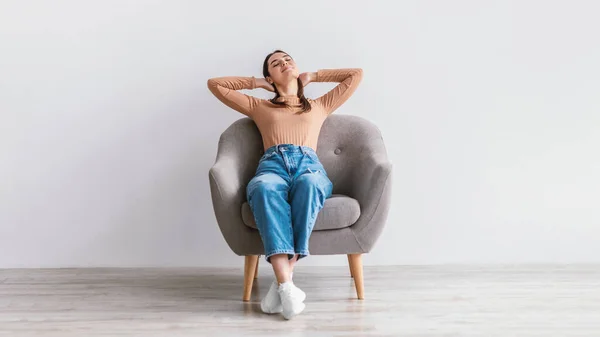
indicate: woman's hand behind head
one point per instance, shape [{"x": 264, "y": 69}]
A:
[
  {"x": 306, "y": 78},
  {"x": 262, "y": 83}
]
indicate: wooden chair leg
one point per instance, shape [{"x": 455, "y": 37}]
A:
[
  {"x": 350, "y": 266},
  {"x": 249, "y": 270},
  {"x": 357, "y": 270},
  {"x": 256, "y": 270}
]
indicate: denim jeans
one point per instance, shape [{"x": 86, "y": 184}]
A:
[{"x": 286, "y": 194}]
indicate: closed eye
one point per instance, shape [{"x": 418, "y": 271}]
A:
[{"x": 277, "y": 64}]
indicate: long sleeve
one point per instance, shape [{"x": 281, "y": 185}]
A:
[
  {"x": 225, "y": 89},
  {"x": 349, "y": 80}
]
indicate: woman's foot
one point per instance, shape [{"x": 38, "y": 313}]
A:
[
  {"x": 291, "y": 299},
  {"x": 271, "y": 303}
]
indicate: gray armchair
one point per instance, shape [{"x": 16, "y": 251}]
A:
[{"x": 353, "y": 153}]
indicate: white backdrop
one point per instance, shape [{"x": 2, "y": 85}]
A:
[{"x": 489, "y": 109}]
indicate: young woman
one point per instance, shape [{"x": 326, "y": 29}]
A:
[{"x": 290, "y": 185}]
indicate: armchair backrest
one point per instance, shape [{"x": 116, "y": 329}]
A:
[{"x": 344, "y": 143}]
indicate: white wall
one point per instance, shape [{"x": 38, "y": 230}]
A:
[{"x": 490, "y": 111}]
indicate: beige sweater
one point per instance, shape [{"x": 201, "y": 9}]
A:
[{"x": 279, "y": 124}]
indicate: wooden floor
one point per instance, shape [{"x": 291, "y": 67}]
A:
[{"x": 422, "y": 301}]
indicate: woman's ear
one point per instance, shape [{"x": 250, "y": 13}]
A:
[{"x": 269, "y": 80}]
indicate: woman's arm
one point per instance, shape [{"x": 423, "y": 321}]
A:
[
  {"x": 225, "y": 89},
  {"x": 349, "y": 80}
]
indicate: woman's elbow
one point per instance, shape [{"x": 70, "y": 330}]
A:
[
  {"x": 358, "y": 72},
  {"x": 211, "y": 83}
]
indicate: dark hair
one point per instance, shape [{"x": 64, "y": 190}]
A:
[{"x": 305, "y": 103}]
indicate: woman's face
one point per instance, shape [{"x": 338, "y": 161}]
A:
[{"x": 282, "y": 68}]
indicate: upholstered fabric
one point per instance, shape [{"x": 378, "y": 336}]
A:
[{"x": 352, "y": 151}]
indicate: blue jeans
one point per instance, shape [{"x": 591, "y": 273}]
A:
[{"x": 286, "y": 194}]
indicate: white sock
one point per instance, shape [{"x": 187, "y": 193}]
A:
[
  {"x": 291, "y": 299},
  {"x": 271, "y": 303}
]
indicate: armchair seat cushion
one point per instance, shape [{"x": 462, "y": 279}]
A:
[{"x": 339, "y": 211}]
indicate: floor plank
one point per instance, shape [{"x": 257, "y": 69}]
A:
[{"x": 542, "y": 300}]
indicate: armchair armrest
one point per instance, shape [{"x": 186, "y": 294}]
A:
[
  {"x": 228, "y": 177},
  {"x": 372, "y": 188},
  {"x": 226, "y": 174}
]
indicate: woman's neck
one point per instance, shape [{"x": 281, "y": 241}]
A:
[{"x": 290, "y": 89}]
